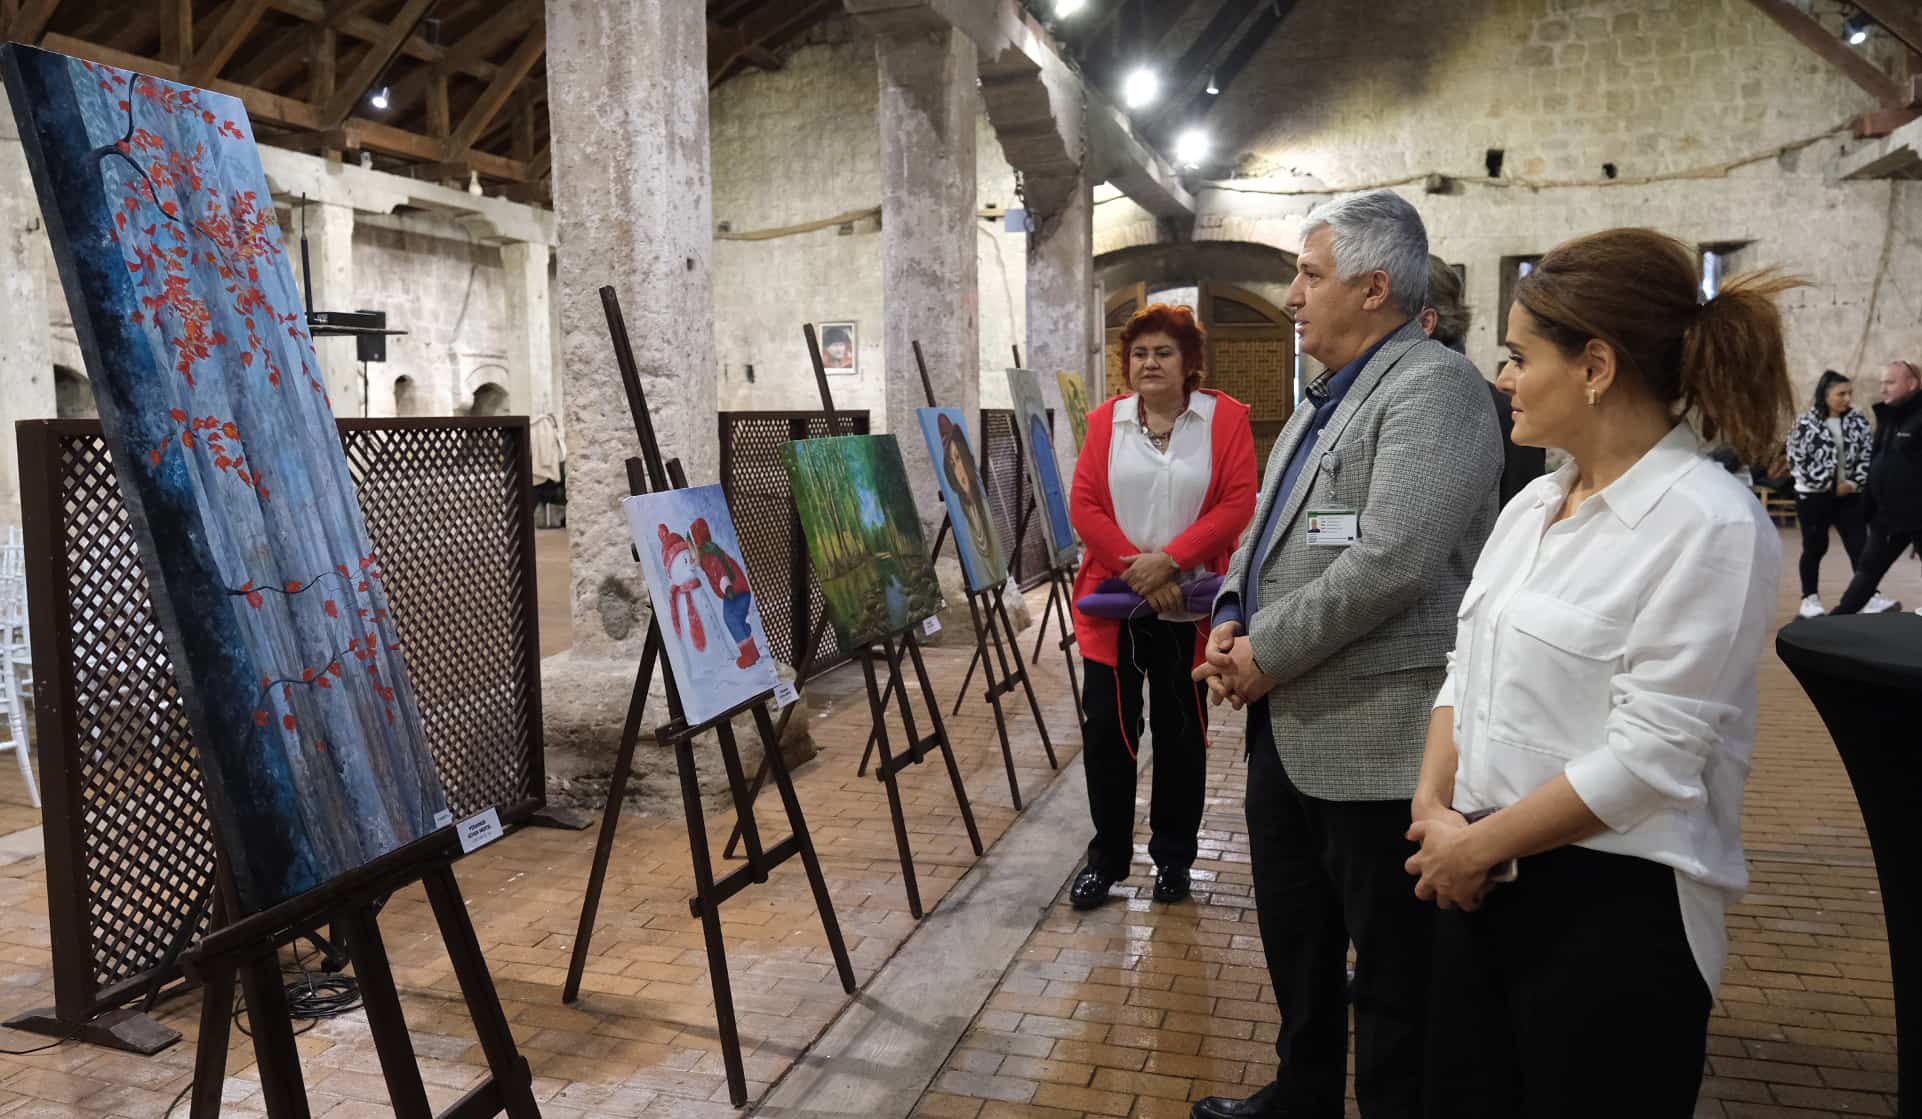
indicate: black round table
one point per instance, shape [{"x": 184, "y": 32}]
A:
[{"x": 1864, "y": 675}]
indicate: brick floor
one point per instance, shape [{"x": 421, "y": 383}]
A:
[{"x": 1130, "y": 1010}]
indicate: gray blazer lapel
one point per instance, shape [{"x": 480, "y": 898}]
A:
[
  {"x": 1290, "y": 438},
  {"x": 1399, "y": 344}
]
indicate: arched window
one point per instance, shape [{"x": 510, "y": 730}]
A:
[
  {"x": 489, "y": 400},
  {"x": 72, "y": 394},
  {"x": 406, "y": 397}
]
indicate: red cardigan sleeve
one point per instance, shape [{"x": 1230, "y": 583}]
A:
[
  {"x": 1090, "y": 505},
  {"x": 1217, "y": 531}
]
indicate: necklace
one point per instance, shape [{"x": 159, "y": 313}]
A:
[{"x": 1159, "y": 439}]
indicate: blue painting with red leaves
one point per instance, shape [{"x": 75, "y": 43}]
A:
[{"x": 256, "y": 553}]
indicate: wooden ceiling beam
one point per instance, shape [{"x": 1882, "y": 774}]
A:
[
  {"x": 177, "y": 31},
  {"x": 372, "y": 64},
  {"x": 236, "y": 21},
  {"x": 368, "y": 30},
  {"x": 471, "y": 52},
  {"x": 727, "y": 47},
  {"x": 495, "y": 96},
  {"x": 1817, "y": 38},
  {"x": 32, "y": 21}
]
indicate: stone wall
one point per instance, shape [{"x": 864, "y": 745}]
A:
[
  {"x": 1670, "y": 94},
  {"x": 799, "y": 145}
]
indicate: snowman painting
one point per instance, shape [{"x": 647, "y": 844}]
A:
[{"x": 693, "y": 611}]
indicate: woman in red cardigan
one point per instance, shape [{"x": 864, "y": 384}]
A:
[{"x": 1162, "y": 491}]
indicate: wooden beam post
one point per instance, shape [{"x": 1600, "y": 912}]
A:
[
  {"x": 324, "y": 49},
  {"x": 482, "y": 113},
  {"x": 335, "y": 111},
  {"x": 177, "y": 31},
  {"x": 32, "y": 21},
  {"x": 440, "y": 123},
  {"x": 235, "y": 22},
  {"x": 471, "y": 51},
  {"x": 1839, "y": 54}
]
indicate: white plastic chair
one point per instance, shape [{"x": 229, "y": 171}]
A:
[{"x": 16, "y": 661}]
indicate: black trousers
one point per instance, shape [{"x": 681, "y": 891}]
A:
[
  {"x": 1883, "y": 549},
  {"x": 1327, "y": 872},
  {"x": 1817, "y": 513},
  {"x": 1571, "y": 992},
  {"x": 1161, "y": 654}
]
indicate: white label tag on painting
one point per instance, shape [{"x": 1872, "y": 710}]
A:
[
  {"x": 785, "y": 694},
  {"x": 931, "y": 626},
  {"x": 443, "y": 818},
  {"x": 1333, "y": 528},
  {"x": 479, "y": 830}
]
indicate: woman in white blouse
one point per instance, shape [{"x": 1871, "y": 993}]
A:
[{"x": 1579, "y": 809}]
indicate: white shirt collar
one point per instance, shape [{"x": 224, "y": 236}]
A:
[
  {"x": 1631, "y": 496},
  {"x": 1201, "y": 405}
]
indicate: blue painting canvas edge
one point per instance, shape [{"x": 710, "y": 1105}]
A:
[
  {"x": 701, "y": 699},
  {"x": 1024, "y": 390},
  {"x": 257, "y": 721}
]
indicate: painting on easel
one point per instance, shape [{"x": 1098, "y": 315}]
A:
[
  {"x": 711, "y": 626},
  {"x": 1074, "y": 398},
  {"x": 1044, "y": 472},
  {"x": 863, "y": 535},
  {"x": 975, "y": 536},
  {"x": 256, "y": 553}
]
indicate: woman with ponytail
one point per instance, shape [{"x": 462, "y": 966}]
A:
[
  {"x": 1828, "y": 451},
  {"x": 1579, "y": 809}
]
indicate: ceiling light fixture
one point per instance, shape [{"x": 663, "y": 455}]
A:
[
  {"x": 1141, "y": 88},
  {"x": 1191, "y": 147},
  {"x": 1213, "y": 89},
  {"x": 1856, "y": 29},
  {"x": 1065, "y": 8},
  {"x": 379, "y": 99}
]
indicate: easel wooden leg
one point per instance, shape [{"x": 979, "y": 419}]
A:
[
  {"x": 798, "y": 827},
  {"x": 1060, "y": 598},
  {"x": 887, "y": 694},
  {"x": 1047, "y": 611},
  {"x": 743, "y": 804},
  {"x": 885, "y": 771},
  {"x": 707, "y": 907},
  {"x": 611, "y": 815},
  {"x": 982, "y": 636},
  {"x": 1027, "y": 685},
  {"x": 513, "y": 1083},
  {"x": 384, "y": 1018},
  {"x": 947, "y": 749},
  {"x": 281, "y": 1088},
  {"x": 210, "y": 1053}
]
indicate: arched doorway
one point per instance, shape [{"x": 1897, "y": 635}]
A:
[
  {"x": 489, "y": 400},
  {"x": 406, "y": 397},
  {"x": 1235, "y": 289}
]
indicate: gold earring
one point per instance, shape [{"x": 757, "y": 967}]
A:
[{"x": 1594, "y": 398}]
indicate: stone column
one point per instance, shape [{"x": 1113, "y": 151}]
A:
[
  {"x": 929, "y": 257},
  {"x": 26, "y": 352},
  {"x": 1063, "y": 315},
  {"x": 330, "y": 256},
  {"x": 530, "y": 356},
  {"x": 627, "y": 97}
]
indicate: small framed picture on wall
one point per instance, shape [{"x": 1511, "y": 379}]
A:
[{"x": 840, "y": 353}]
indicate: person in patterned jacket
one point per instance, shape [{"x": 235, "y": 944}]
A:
[
  {"x": 728, "y": 581},
  {"x": 1828, "y": 451}
]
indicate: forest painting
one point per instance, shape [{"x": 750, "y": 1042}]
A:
[
  {"x": 254, "y": 546},
  {"x": 711, "y": 625},
  {"x": 1074, "y": 397},
  {"x": 863, "y": 534}
]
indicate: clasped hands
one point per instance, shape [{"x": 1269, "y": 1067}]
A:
[
  {"x": 1230, "y": 670},
  {"x": 1448, "y": 869},
  {"x": 1152, "y": 576}
]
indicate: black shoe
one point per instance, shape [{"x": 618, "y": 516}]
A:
[
  {"x": 1171, "y": 884},
  {"x": 1265, "y": 1104},
  {"x": 1090, "y": 888}
]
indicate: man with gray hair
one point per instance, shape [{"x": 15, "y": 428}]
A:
[{"x": 1333, "y": 628}]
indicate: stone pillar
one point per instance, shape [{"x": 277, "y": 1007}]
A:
[
  {"x": 627, "y": 97},
  {"x": 530, "y": 356},
  {"x": 330, "y": 257},
  {"x": 929, "y": 257},
  {"x": 26, "y": 352},
  {"x": 1063, "y": 315}
]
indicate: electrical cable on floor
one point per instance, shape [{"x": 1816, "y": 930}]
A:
[{"x": 42, "y": 1048}]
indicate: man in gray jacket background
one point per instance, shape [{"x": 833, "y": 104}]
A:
[{"x": 1333, "y": 628}]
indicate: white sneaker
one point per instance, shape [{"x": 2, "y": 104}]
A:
[
  {"x": 1879, "y": 604},
  {"x": 1812, "y": 607}
]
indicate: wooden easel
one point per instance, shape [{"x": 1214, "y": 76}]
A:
[
  {"x": 650, "y": 474},
  {"x": 248, "y": 950},
  {"x": 986, "y": 605}
]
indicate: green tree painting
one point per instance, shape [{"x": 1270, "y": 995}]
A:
[{"x": 863, "y": 535}]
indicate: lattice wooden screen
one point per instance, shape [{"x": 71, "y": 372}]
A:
[
  {"x": 1006, "y": 480},
  {"x": 775, "y": 553},
  {"x": 130, "y": 854}
]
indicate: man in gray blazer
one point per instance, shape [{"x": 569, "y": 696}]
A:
[{"x": 1333, "y": 627}]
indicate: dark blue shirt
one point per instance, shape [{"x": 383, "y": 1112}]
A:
[{"x": 1326, "y": 394}]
